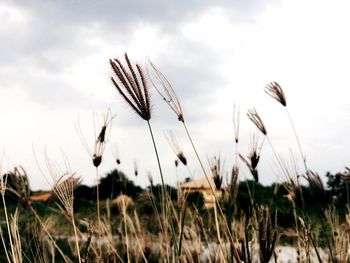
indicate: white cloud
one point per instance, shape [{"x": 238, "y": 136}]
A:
[{"x": 56, "y": 67}]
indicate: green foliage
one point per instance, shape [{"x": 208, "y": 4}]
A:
[
  {"x": 195, "y": 199},
  {"x": 116, "y": 183}
]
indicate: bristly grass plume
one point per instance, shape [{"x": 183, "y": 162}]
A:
[
  {"x": 132, "y": 86},
  {"x": 176, "y": 148},
  {"x": 275, "y": 91},
  {"x": 166, "y": 91},
  {"x": 255, "y": 118}
]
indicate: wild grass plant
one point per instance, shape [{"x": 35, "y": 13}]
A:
[{"x": 162, "y": 224}]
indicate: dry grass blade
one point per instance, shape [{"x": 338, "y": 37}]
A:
[
  {"x": 132, "y": 86},
  {"x": 255, "y": 118},
  {"x": 167, "y": 93},
  {"x": 234, "y": 181},
  {"x": 275, "y": 91},
  {"x": 17, "y": 248},
  {"x": 267, "y": 235}
]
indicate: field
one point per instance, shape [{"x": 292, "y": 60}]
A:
[{"x": 117, "y": 221}]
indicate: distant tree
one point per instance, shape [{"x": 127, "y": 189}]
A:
[
  {"x": 84, "y": 192},
  {"x": 196, "y": 199},
  {"x": 156, "y": 190},
  {"x": 338, "y": 187},
  {"x": 116, "y": 183}
]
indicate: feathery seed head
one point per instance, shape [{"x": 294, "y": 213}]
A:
[
  {"x": 64, "y": 188},
  {"x": 275, "y": 91},
  {"x": 236, "y": 113},
  {"x": 255, "y": 150},
  {"x": 100, "y": 140},
  {"x": 176, "y": 148},
  {"x": 132, "y": 86},
  {"x": 216, "y": 164},
  {"x": 166, "y": 91},
  {"x": 255, "y": 118},
  {"x": 3, "y": 183},
  {"x": 253, "y": 157}
]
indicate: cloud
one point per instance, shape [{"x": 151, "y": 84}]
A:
[{"x": 54, "y": 62}]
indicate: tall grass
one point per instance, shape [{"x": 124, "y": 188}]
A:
[{"x": 176, "y": 230}]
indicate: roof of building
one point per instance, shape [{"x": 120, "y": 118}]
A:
[
  {"x": 42, "y": 197},
  {"x": 200, "y": 183}
]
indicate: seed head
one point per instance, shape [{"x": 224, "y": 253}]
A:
[
  {"x": 253, "y": 157},
  {"x": 136, "y": 170},
  {"x": 100, "y": 140},
  {"x": 64, "y": 188},
  {"x": 165, "y": 90},
  {"x": 176, "y": 148},
  {"x": 216, "y": 164},
  {"x": 255, "y": 118},
  {"x": 236, "y": 113},
  {"x": 275, "y": 91},
  {"x": 96, "y": 160},
  {"x": 132, "y": 86}
]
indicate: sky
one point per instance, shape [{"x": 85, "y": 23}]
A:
[{"x": 54, "y": 73}]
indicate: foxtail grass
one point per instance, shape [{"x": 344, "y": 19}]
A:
[
  {"x": 133, "y": 87},
  {"x": 276, "y": 92},
  {"x": 166, "y": 91}
]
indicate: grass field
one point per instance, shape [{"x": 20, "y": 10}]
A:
[{"x": 248, "y": 222}]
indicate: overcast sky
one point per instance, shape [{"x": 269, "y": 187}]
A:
[{"x": 54, "y": 69}]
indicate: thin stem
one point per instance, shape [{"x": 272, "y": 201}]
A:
[
  {"x": 316, "y": 250},
  {"x": 182, "y": 223},
  {"x": 98, "y": 211},
  {"x": 133, "y": 229},
  {"x": 156, "y": 151},
  {"x": 218, "y": 230},
  {"x": 76, "y": 237},
  {"x": 298, "y": 141},
  {"x": 283, "y": 168},
  {"x": 126, "y": 231},
  {"x": 327, "y": 240},
  {"x": 207, "y": 178},
  {"x": 164, "y": 199}
]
